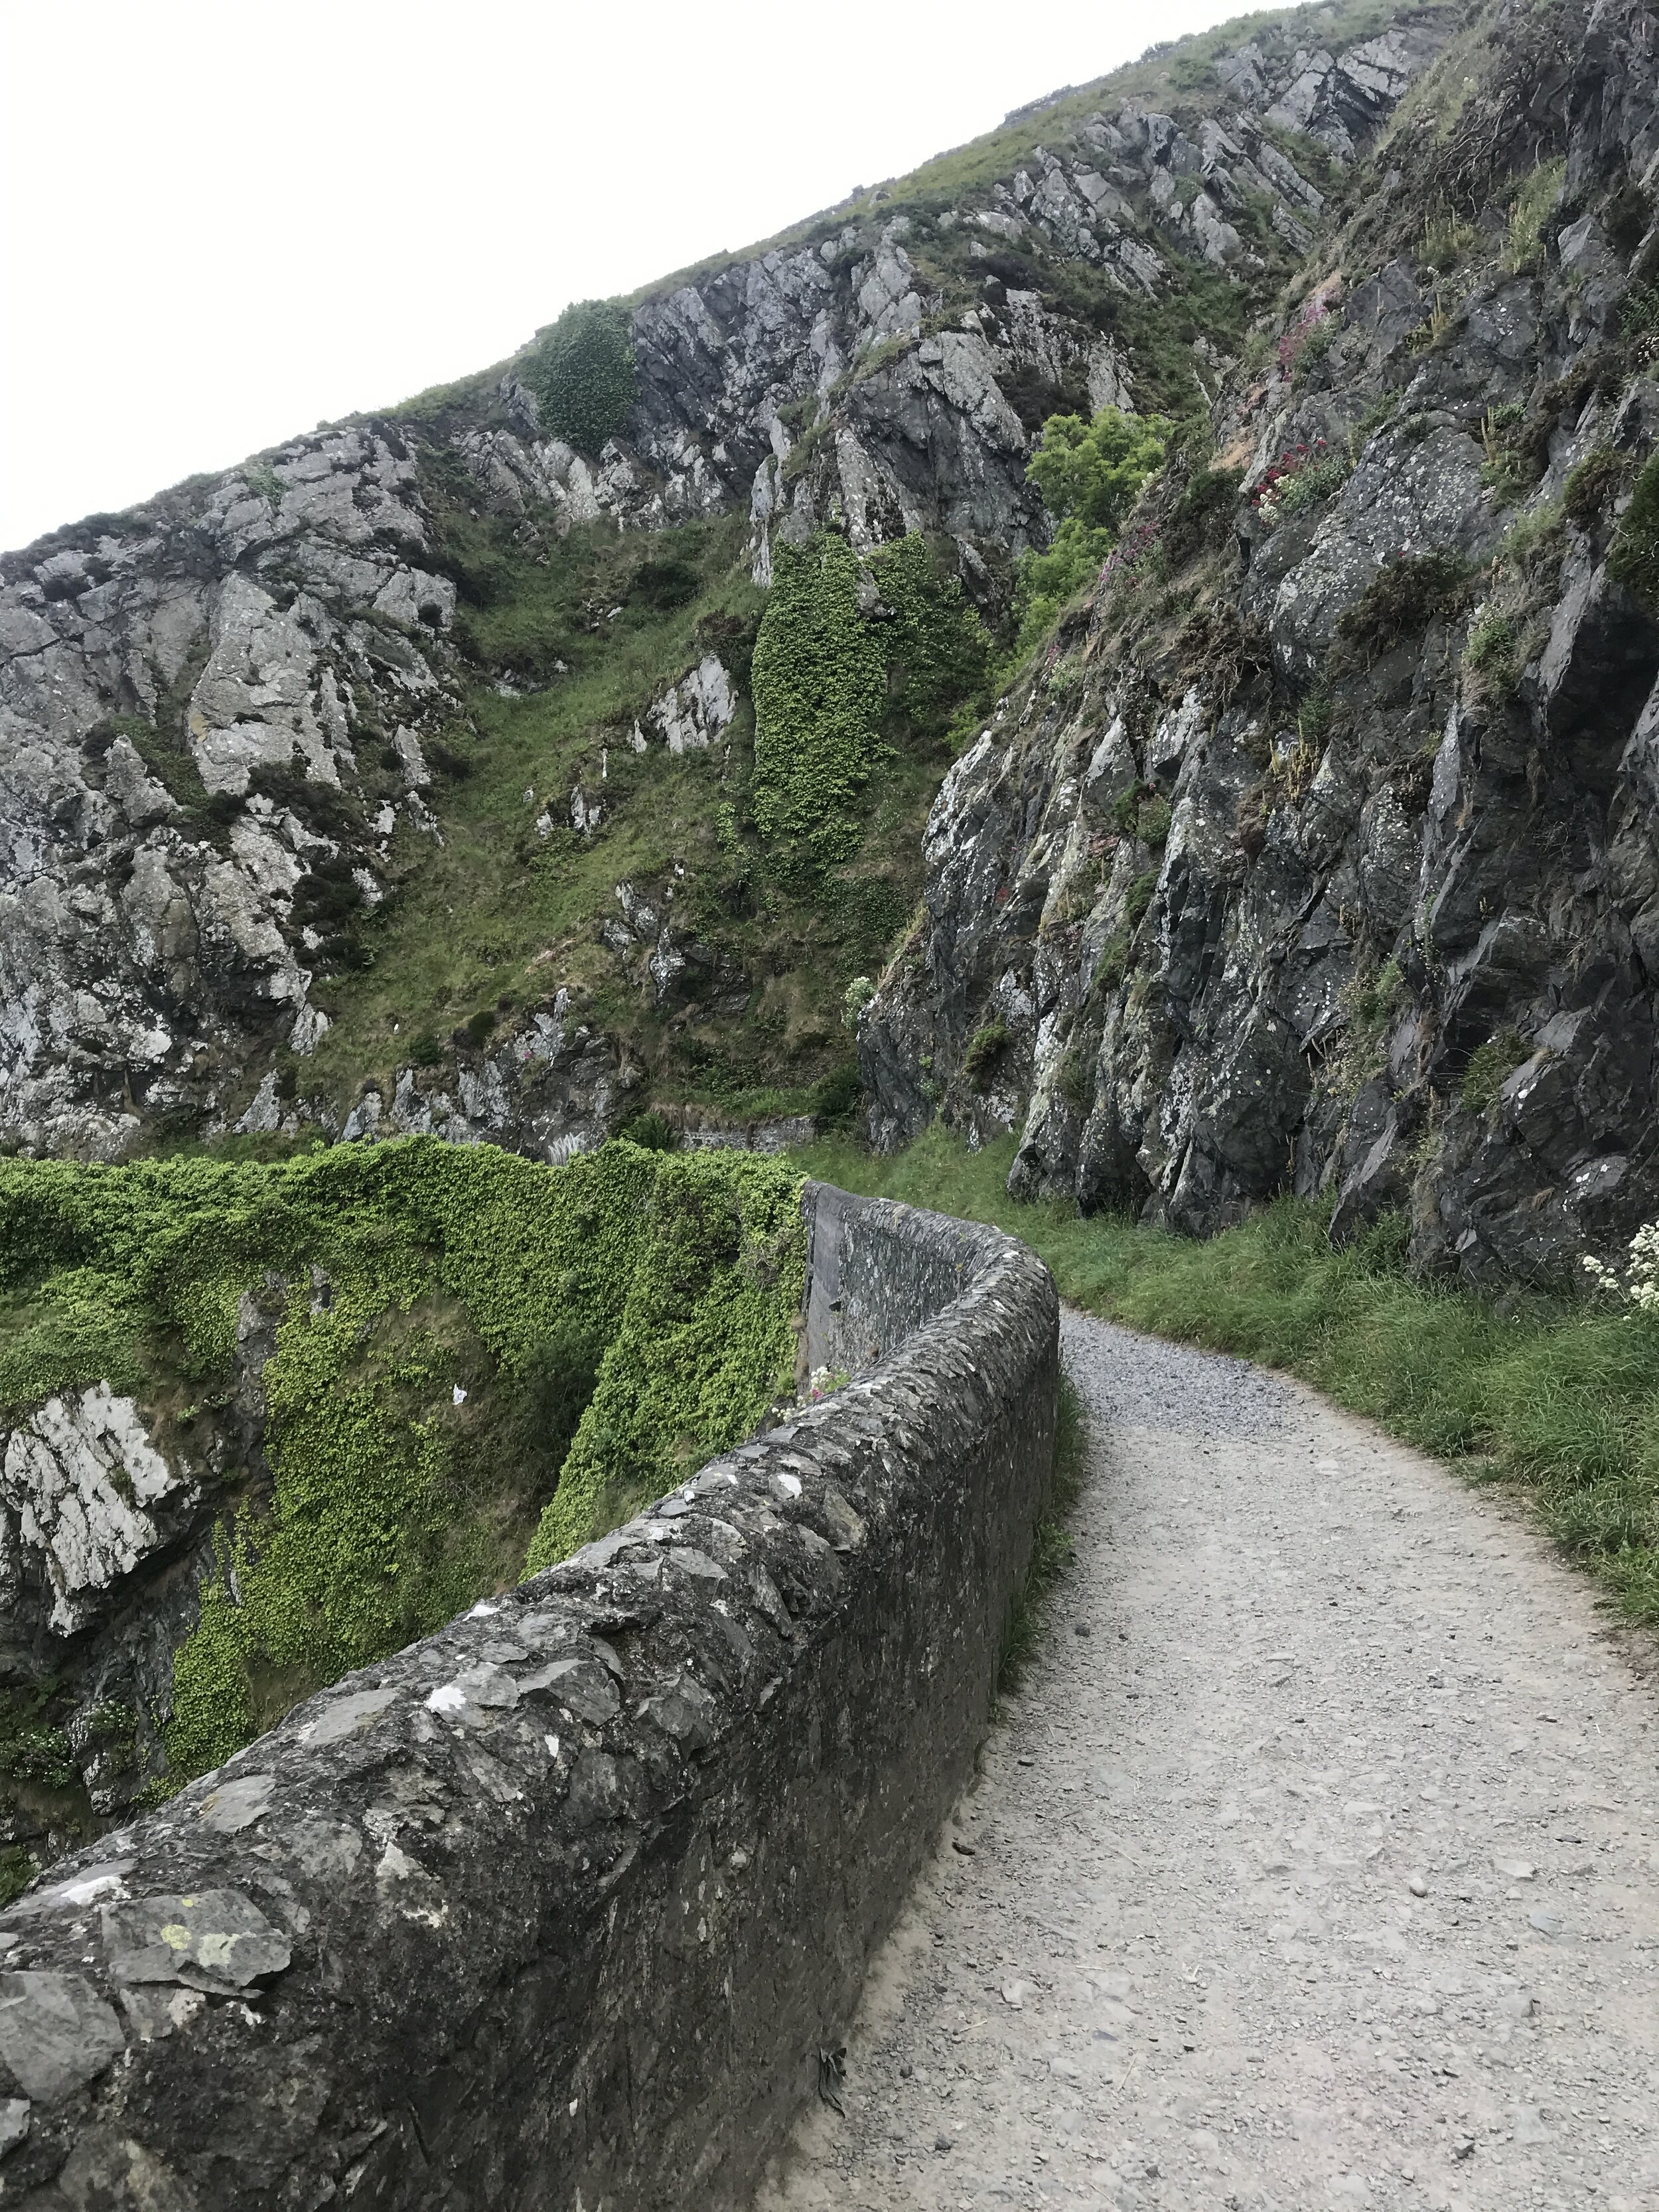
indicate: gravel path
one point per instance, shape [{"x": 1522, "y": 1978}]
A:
[{"x": 1316, "y": 1865}]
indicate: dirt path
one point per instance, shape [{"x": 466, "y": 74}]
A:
[{"x": 1317, "y": 1865}]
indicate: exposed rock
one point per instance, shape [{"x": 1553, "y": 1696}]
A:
[{"x": 1391, "y": 937}]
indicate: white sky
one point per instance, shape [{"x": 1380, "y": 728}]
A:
[{"x": 222, "y": 221}]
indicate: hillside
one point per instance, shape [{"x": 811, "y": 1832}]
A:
[
  {"x": 409, "y": 778},
  {"x": 1317, "y": 851}
]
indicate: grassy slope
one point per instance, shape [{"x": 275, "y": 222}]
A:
[
  {"x": 1561, "y": 1397},
  {"x": 488, "y": 924}
]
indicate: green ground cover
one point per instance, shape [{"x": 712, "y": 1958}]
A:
[
  {"x": 469, "y": 1365},
  {"x": 1558, "y": 1396},
  {"x": 792, "y": 846}
]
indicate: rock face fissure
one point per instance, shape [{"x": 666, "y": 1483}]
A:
[{"x": 561, "y": 1904}]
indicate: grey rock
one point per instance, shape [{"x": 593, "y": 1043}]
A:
[
  {"x": 216, "y": 1941},
  {"x": 56, "y": 2033}
]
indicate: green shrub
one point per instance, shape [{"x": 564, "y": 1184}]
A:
[
  {"x": 582, "y": 374},
  {"x": 1203, "y": 515},
  {"x": 1402, "y": 599},
  {"x": 1094, "y": 470},
  {"x": 650, "y": 1132},
  {"x": 984, "y": 1054},
  {"x": 1493, "y": 652},
  {"x": 1090, "y": 475},
  {"x": 663, "y": 585},
  {"x": 1634, "y": 559},
  {"x": 856, "y": 997},
  {"x": 1530, "y": 210},
  {"x": 837, "y": 1096},
  {"x": 1307, "y": 488},
  {"x": 1153, "y": 825},
  {"x": 1590, "y": 488},
  {"x": 1490, "y": 1066}
]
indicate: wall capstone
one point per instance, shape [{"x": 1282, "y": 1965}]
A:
[{"x": 558, "y": 1907}]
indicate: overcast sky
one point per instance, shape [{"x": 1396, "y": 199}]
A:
[{"x": 225, "y": 220}]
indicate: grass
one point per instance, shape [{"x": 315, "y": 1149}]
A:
[
  {"x": 486, "y": 925},
  {"x": 1558, "y": 1397}
]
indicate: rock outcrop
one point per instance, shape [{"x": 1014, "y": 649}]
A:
[
  {"x": 1324, "y": 852},
  {"x": 226, "y": 718}
]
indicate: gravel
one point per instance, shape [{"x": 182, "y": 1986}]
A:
[{"x": 1250, "y": 1855}]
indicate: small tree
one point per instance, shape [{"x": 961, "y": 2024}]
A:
[{"x": 1090, "y": 475}]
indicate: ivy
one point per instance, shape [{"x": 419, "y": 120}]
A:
[
  {"x": 940, "y": 652},
  {"x": 456, "y": 1332},
  {"x": 583, "y": 375},
  {"x": 847, "y": 651},
  {"x": 820, "y": 685}
]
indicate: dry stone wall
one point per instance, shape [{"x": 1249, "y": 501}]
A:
[{"x": 562, "y": 1906}]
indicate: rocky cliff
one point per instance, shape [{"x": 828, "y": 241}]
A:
[
  {"x": 1319, "y": 851},
  {"x": 403, "y": 779}
]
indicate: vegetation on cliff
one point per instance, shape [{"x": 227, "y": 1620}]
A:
[{"x": 396, "y": 1370}]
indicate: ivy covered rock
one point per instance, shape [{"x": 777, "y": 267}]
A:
[{"x": 264, "y": 1425}]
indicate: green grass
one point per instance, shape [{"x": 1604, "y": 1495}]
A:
[
  {"x": 1558, "y": 1397},
  {"x": 490, "y": 922}
]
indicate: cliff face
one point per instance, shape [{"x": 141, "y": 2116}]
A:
[
  {"x": 261, "y": 740},
  {"x": 1321, "y": 852}
]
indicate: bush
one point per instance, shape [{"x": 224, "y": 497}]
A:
[
  {"x": 1090, "y": 475},
  {"x": 837, "y": 1096},
  {"x": 1531, "y": 211},
  {"x": 1094, "y": 470},
  {"x": 1590, "y": 487},
  {"x": 856, "y": 997},
  {"x": 650, "y": 1132},
  {"x": 1492, "y": 651},
  {"x": 662, "y": 586},
  {"x": 984, "y": 1054},
  {"x": 1490, "y": 1066},
  {"x": 1407, "y": 595},
  {"x": 582, "y": 375},
  {"x": 1203, "y": 514}
]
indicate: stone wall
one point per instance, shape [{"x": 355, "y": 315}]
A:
[{"x": 560, "y": 1906}]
